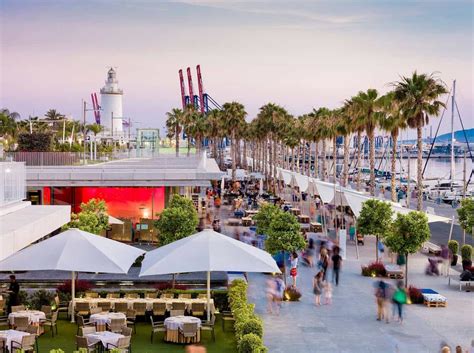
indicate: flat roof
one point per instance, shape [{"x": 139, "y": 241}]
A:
[{"x": 157, "y": 171}]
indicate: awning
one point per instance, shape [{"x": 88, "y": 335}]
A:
[{"x": 28, "y": 224}]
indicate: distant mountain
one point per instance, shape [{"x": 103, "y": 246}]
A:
[{"x": 458, "y": 135}]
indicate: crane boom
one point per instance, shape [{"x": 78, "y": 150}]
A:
[
  {"x": 183, "y": 93},
  {"x": 190, "y": 83},
  {"x": 201, "y": 89}
]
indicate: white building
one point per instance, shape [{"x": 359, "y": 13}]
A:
[
  {"x": 21, "y": 223},
  {"x": 111, "y": 103}
]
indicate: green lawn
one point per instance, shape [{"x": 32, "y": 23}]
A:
[{"x": 225, "y": 341}]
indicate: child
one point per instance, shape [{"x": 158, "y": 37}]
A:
[
  {"x": 327, "y": 293},
  {"x": 317, "y": 287}
]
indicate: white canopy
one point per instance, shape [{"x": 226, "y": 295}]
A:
[
  {"x": 207, "y": 251},
  {"x": 76, "y": 251},
  {"x": 113, "y": 220},
  {"x": 301, "y": 181}
]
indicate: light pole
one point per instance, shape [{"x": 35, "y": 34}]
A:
[{"x": 84, "y": 111}]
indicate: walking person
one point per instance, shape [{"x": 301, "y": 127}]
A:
[
  {"x": 14, "y": 293},
  {"x": 400, "y": 299},
  {"x": 336, "y": 264},
  {"x": 445, "y": 257},
  {"x": 324, "y": 261},
  {"x": 318, "y": 287},
  {"x": 294, "y": 267},
  {"x": 380, "y": 297}
]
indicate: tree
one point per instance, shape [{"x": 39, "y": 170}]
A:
[
  {"x": 92, "y": 218},
  {"x": 174, "y": 125},
  {"x": 418, "y": 96},
  {"x": 284, "y": 235},
  {"x": 94, "y": 128},
  {"x": 177, "y": 221},
  {"x": 375, "y": 219},
  {"x": 366, "y": 107},
  {"x": 407, "y": 235},
  {"x": 264, "y": 217},
  {"x": 233, "y": 115},
  {"x": 53, "y": 114},
  {"x": 466, "y": 215},
  {"x": 35, "y": 142}
]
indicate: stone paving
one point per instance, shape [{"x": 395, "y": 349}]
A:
[{"x": 349, "y": 324}]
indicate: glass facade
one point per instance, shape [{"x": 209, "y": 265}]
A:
[{"x": 12, "y": 182}]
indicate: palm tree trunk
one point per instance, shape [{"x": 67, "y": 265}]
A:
[
  {"x": 372, "y": 161},
  {"x": 393, "y": 166},
  {"x": 177, "y": 140},
  {"x": 214, "y": 147},
  {"x": 292, "y": 165},
  {"x": 308, "y": 171},
  {"x": 334, "y": 158},
  {"x": 270, "y": 159},
  {"x": 358, "y": 159},
  {"x": 419, "y": 168},
  {"x": 324, "y": 176},
  {"x": 345, "y": 177},
  {"x": 316, "y": 159},
  {"x": 245, "y": 154},
  {"x": 232, "y": 155}
]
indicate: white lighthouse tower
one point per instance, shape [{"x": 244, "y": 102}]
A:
[{"x": 111, "y": 104}]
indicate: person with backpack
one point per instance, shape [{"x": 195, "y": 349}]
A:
[{"x": 400, "y": 299}]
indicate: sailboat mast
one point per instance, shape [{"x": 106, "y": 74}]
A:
[{"x": 453, "y": 102}]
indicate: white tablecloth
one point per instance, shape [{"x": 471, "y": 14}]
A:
[
  {"x": 105, "y": 337},
  {"x": 149, "y": 302},
  {"x": 12, "y": 335},
  {"x": 34, "y": 316},
  {"x": 106, "y": 318},
  {"x": 176, "y": 322}
]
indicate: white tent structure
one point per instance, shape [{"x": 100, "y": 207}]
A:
[
  {"x": 113, "y": 220},
  {"x": 207, "y": 251},
  {"x": 76, "y": 251}
]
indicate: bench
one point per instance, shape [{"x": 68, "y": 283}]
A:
[
  {"x": 456, "y": 278},
  {"x": 433, "y": 299},
  {"x": 431, "y": 248},
  {"x": 394, "y": 271}
]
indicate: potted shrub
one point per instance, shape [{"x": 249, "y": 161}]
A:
[
  {"x": 453, "y": 246},
  {"x": 466, "y": 255}
]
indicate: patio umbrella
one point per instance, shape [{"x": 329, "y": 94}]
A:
[
  {"x": 113, "y": 220},
  {"x": 207, "y": 251},
  {"x": 76, "y": 251}
]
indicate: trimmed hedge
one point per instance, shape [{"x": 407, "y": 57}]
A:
[{"x": 248, "y": 326}]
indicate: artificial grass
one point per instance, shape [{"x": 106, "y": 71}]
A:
[{"x": 65, "y": 339}]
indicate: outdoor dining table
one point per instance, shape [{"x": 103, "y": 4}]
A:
[
  {"x": 34, "y": 318},
  {"x": 93, "y": 302},
  {"x": 106, "y": 337},
  {"x": 296, "y": 211},
  {"x": 12, "y": 335},
  {"x": 316, "y": 227},
  {"x": 303, "y": 218},
  {"x": 174, "y": 323},
  {"x": 251, "y": 213},
  {"x": 102, "y": 319},
  {"x": 246, "y": 221}
]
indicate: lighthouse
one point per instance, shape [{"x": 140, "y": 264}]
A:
[{"x": 111, "y": 104}]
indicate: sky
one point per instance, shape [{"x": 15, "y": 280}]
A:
[{"x": 300, "y": 54}]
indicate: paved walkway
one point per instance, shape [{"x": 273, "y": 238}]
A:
[{"x": 349, "y": 324}]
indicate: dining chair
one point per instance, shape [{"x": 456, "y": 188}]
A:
[
  {"x": 52, "y": 323},
  {"x": 61, "y": 307},
  {"x": 167, "y": 296},
  {"x": 126, "y": 331},
  {"x": 121, "y": 307},
  {"x": 21, "y": 323},
  {"x": 47, "y": 310},
  {"x": 132, "y": 296},
  {"x": 189, "y": 330},
  {"x": 184, "y": 296},
  {"x": 17, "y": 308},
  {"x": 27, "y": 343},
  {"x": 159, "y": 309},
  {"x": 140, "y": 308},
  {"x": 83, "y": 344},
  {"x": 97, "y": 310},
  {"x": 83, "y": 308},
  {"x": 131, "y": 319},
  {"x": 93, "y": 295},
  {"x": 113, "y": 295},
  {"x": 116, "y": 325},
  {"x": 33, "y": 330},
  {"x": 3, "y": 345},
  {"x": 87, "y": 330},
  {"x": 81, "y": 323},
  {"x": 178, "y": 306},
  {"x": 105, "y": 306},
  {"x": 156, "y": 327},
  {"x": 123, "y": 344},
  {"x": 209, "y": 326},
  {"x": 151, "y": 295},
  {"x": 197, "y": 309}
]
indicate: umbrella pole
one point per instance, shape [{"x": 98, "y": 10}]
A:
[
  {"x": 73, "y": 294},
  {"x": 208, "y": 295}
]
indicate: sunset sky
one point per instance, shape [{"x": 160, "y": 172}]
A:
[{"x": 300, "y": 54}]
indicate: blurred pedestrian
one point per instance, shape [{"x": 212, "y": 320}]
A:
[
  {"x": 380, "y": 297},
  {"x": 271, "y": 292},
  {"x": 294, "y": 267},
  {"x": 318, "y": 287},
  {"x": 327, "y": 287},
  {"x": 445, "y": 257},
  {"x": 400, "y": 299},
  {"x": 310, "y": 252},
  {"x": 336, "y": 264}
]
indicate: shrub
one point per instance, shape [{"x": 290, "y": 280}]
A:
[
  {"x": 415, "y": 295},
  {"x": 251, "y": 343},
  {"x": 292, "y": 294},
  {"x": 252, "y": 325},
  {"x": 453, "y": 245},
  {"x": 41, "y": 297},
  {"x": 80, "y": 286},
  {"x": 466, "y": 252},
  {"x": 374, "y": 269}
]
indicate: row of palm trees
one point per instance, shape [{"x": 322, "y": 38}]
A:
[
  {"x": 276, "y": 138},
  {"x": 66, "y": 133}
]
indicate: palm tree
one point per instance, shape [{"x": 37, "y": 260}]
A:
[
  {"x": 213, "y": 129},
  {"x": 312, "y": 129},
  {"x": 322, "y": 117},
  {"x": 8, "y": 128},
  {"x": 53, "y": 114},
  {"x": 418, "y": 96},
  {"x": 197, "y": 128},
  {"x": 345, "y": 128},
  {"x": 174, "y": 125},
  {"x": 392, "y": 122},
  {"x": 366, "y": 106},
  {"x": 233, "y": 115}
]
